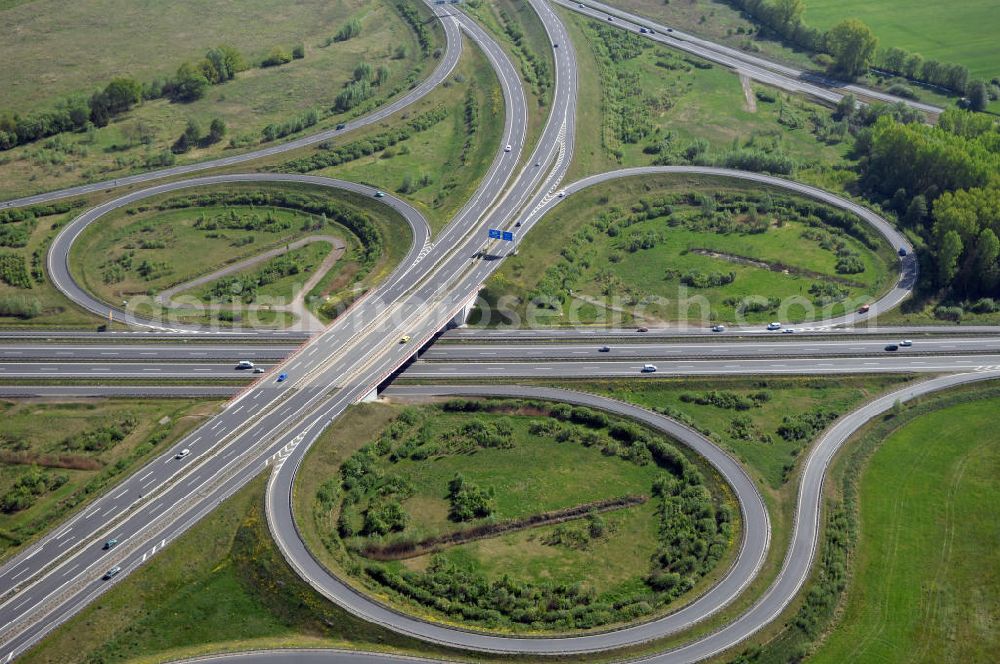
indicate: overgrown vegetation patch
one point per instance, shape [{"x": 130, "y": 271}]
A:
[
  {"x": 679, "y": 254},
  {"x": 488, "y": 512},
  {"x": 56, "y": 456}
]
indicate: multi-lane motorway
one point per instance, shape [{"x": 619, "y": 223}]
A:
[{"x": 270, "y": 424}]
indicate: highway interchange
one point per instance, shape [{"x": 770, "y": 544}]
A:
[{"x": 269, "y": 426}]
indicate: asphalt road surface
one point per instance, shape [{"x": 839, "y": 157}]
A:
[
  {"x": 713, "y": 348},
  {"x": 631, "y": 334},
  {"x": 630, "y": 346},
  {"x": 60, "y": 352},
  {"x": 547, "y": 369},
  {"x": 119, "y": 370}
]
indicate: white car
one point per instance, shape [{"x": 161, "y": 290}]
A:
[
  {"x": 906, "y": 342},
  {"x": 788, "y": 330},
  {"x": 774, "y": 326},
  {"x": 718, "y": 328},
  {"x": 245, "y": 364},
  {"x": 183, "y": 453},
  {"x": 649, "y": 368},
  {"x": 507, "y": 148},
  {"x": 562, "y": 194}
]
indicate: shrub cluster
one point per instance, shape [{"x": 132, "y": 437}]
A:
[
  {"x": 29, "y": 487},
  {"x": 536, "y": 69},
  {"x": 101, "y": 438},
  {"x": 699, "y": 279},
  {"x": 13, "y": 270},
  {"x": 19, "y": 306},
  {"x": 727, "y": 400},
  {"x": 805, "y": 426},
  {"x": 418, "y": 25},
  {"x": 469, "y": 501}
]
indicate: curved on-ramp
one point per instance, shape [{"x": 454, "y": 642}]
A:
[
  {"x": 908, "y": 265},
  {"x": 58, "y": 256},
  {"x": 752, "y": 549},
  {"x": 779, "y": 595}
]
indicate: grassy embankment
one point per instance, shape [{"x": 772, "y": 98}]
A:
[
  {"x": 57, "y": 456},
  {"x": 254, "y": 99}
]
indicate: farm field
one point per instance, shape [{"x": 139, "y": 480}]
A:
[
  {"x": 924, "y": 585},
  {"x": 142, "y": 138},
  {"x": 55, "y": 456},
  {"x": 961, "y": 33},
  {"x": 688, "y": 249},
  {"x": 437, "y": 471}
]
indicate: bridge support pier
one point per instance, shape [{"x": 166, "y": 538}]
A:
[
  {"x": 370, "y": 397},
  {"x": 462, "y": 317}
]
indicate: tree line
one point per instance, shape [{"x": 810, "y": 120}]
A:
[
  {"x": 943, "y": 183},
  {"x": 853, "y": 47},
  {"x": 79, "y": 112}
]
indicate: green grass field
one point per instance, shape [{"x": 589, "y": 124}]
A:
[
  {"x": 178, "y": 248},
  {"x": 530, "y": 473},
  {"x": 65, "y": 451},
  {"x": 963, "y": 33},
  {"x": 599, "y": 277},
  {"x": 80, "y": 36},
  {"x": 221, "y": 586},
  {"x": 925, "y": 586}
]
